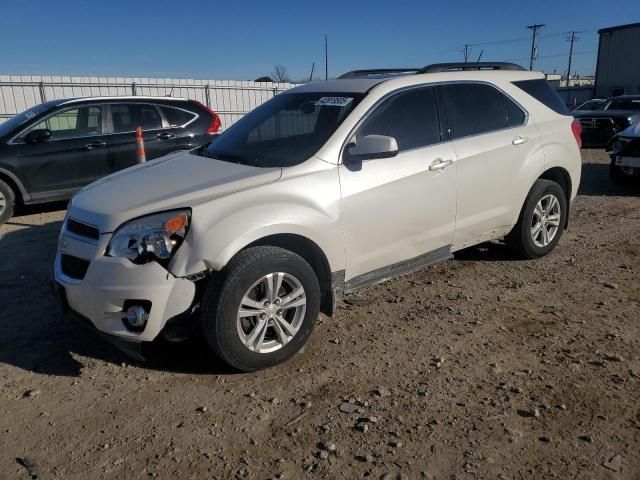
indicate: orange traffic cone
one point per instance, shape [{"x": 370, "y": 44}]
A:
[{"x": 140, "y": 146}]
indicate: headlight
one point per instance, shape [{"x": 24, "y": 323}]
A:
[{"x": 154, "y": 237}]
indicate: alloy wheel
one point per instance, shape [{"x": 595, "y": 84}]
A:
[{"x": 545, "y": 222}]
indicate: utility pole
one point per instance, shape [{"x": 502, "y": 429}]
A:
[
  {"x": 572, "y": 39},
  {"x": 535, "y": 29},
  {"x": 466, "y": 52},
  {"x": 313, "y": 66},
  {"x": 326, "y": 58}
]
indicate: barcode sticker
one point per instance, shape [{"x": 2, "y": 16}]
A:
[{"x": 334, "y": 101}]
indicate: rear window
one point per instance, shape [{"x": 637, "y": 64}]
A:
[{"x": 542, "y": 91}]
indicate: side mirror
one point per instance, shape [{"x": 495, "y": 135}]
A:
[
  {"x": 38, "y": 135},
  {"x": 370, "y": 147}
]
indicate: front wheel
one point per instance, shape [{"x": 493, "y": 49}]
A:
[
  {"x": 541, "y": 221},
  {"x": 7, "y": 201},
  {"x": 261, "y": 309}
]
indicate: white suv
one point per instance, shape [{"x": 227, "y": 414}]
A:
[{"x": 323, "y": 189}]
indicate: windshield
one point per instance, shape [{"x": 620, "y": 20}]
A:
[
  {"x": 17, "y": 120},
  {"x": 285, "y": 131},
  {"x": 632, "y": 104}
]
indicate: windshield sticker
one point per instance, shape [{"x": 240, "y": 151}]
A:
[{"x": 334, "y": 101}]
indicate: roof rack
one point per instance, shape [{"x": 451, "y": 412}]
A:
[
  {"x": 378, "y": 71},
  {"x": 459, "y": 67},
  {"x": 434, "y": 68}
]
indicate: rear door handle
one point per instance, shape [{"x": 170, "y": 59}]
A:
[
  {"x": 93, "y": 145},
  {"x": 440, "y": 164},
  {"x": 165, "y": 136},
  {"x": 520, "y": 140}
]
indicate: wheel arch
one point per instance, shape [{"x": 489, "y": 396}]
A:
[
  {"x": 16, "y": 185},
  {"x": 560, "y": 176},
  {"x": 312, "y": 253}
]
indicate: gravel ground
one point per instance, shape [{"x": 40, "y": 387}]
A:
[{"x": 482, "y": 367}]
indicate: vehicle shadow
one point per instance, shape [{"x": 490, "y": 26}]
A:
[
  {"x": 487, "y": 252},
  {"x": 37, "y": 337},
  {"x": 595, "y": 181}
]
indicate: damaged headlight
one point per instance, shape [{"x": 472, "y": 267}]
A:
[{"x": 150, "y": 238}]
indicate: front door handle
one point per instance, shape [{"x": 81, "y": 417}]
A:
[
  {"x": 439, "y": 164},
  {"x": 165, "y": 136},
  {"x": 93, "y": 145},
  {"x": 520, "y": 140}
]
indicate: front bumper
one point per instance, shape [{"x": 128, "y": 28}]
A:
[{"x": 110, "y": 282}]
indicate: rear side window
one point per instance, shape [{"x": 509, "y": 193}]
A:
[
  {"x": 177, "y": 117},
  {"x": 410, "y": 117},
  {"x": 473, "y": 109},
  {"x": 542, "y": 91},
  {"x": 128, "y": 117}
]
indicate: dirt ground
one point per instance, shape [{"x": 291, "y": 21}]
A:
[{"x": 482, "y": 367}]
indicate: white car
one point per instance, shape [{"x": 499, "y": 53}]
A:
[{"x": 326, "y": 188}]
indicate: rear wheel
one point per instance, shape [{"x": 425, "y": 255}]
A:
[
  {"x": 615, "y": 172},
  {"x": 541, "y": 221},
  {"x": 7, "y": 202},
  {"x": 262, "y": 308}
]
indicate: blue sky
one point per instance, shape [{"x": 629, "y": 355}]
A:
[{"x": 243, "y": 40}]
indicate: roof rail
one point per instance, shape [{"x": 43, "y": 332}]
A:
[
  {"x": 453, "y": 67},
  {"x": 378, "y": 71}
]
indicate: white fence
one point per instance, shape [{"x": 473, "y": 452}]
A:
[{"x": 230, "y": 99}]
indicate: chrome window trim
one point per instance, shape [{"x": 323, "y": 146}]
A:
[
  {"x": 434, "y": 84},
  {"x": 197, "y": 115},
  {"x": 13, "y": 141}
]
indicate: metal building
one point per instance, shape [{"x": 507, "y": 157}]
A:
[{"x": 618, "y": 67}]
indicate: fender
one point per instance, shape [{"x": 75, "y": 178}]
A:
[{"x": 26, "y": 197}]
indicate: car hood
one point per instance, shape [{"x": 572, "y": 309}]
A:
[{"x": 178, "y": 180}]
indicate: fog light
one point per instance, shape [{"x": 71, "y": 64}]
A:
[{"x": 137, "y": 316}]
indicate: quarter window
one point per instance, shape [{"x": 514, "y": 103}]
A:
[
  {"x": 177, "y": 117},
  {"x": 410, "y": 117},
  {"x": 73, "y": 123},
  {"x": 515, "y": 115},
  {"x": 473, "y": 109}
]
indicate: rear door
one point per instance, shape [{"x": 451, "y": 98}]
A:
[
  {"x": 492, "y": 140},
  {"x": 74, "y": 156},
  {"x": 124, "y": 119}
]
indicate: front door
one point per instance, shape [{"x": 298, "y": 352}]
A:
[
  {"x": 74, "y": 156},
  {"x": 399, "y": 212}
]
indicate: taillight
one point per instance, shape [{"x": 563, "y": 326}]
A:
[
  {"x": 576, "y": 128},
  {"x": 215, "y": 124}
]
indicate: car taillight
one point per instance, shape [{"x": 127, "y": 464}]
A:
[
  {"x": 576, "y": 128},
  {"x": 215, "y": 124}
]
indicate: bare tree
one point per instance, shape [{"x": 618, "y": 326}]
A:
[{"x": 280, "y": 74}]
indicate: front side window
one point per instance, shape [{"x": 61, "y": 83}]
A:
[
  {"x": 73, "y": 123},
  {"x": 411, "y": 117},
  {"x": 473, "y": 109},
  {"x": 127, "y": 117},
  {"x": 285, "y": 131}
]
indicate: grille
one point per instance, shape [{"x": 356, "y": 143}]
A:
[
  {"x": 82, "y": 229},
  {"x": 73, "y": 267}
]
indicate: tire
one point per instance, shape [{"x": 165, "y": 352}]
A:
[
  {"x": 7, "y": 202},
  {"x": 521, "y": 239},
  {"x": 243, "y": 282}
]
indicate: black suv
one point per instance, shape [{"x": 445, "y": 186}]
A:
[
  {"x": 607, "y": 118},
  {"x": 50, "y": 151}
]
